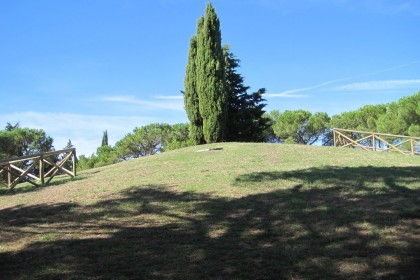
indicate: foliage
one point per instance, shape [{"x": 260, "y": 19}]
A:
[
  {"x": 191, "y": 100},
  {"x": 16, "y": 141},
  {"x": 246, "y": 121},
  {"x": 69, "y": 145},
  {"x": 414, "y": 130},
  {"x": 68, "y": 165},
  {"x": 210, "y": 77},
  {"x": 152, "y": 139},
  {"x": 216, "y": 100},
  {"x": 10, "y": 127},
  {"x": 301, "y": 127},
  {"x": 402, "y": 117},
  {"x": 105, "y": 139},
  {"x": 178, "y": 137},
  {"x": 269, "y": 135},
  {"x": 86, "y": 162},
  {"x": 105, "y": 155},
  {"x": 365, "y": 118},
  {"x": 143, "y": 141}
]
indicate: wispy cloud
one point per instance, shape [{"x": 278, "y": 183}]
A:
[
  {"x": 396, "y": 67},
  {"x": 389, "y": 69},
  {"x": 179, "y": 106},
  {"x": 169, "y": 97},
  {"x": 292, "y": 92},
  {"x": 285, "y": 94},
  {"x": 393, "y": 7},
  {"x": 381, "y": 7},
  {"x": 375, "y": 85},
  {"x": 378, "y": 85}
]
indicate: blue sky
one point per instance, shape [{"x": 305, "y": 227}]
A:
[{"x": 76, "y": 68}]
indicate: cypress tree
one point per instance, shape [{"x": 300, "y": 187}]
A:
[
  {"x": 191, "y": 96},
  {"x": 211, "y": 83},
  {"x": 105, "y": 139}
]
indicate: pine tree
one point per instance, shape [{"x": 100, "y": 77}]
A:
[
  {"x": 105, "y": 139},
  {"x": 211, "y": 83},
  {"x": 69, "y": 145},
  {"x": 191, "y": 100},
  {"x": 246, "y": 122}
]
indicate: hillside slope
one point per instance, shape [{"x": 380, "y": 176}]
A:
[{"x": 248, "y": 211}]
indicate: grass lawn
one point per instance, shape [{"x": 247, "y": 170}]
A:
[{"x": 249, "y": 211}]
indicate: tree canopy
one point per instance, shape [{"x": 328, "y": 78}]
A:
[
  {"x": 365, "y": 118},
  {"x": 402, "y": 117},
  {"x": 300, "y": 126},
  {"x": 16, "y": 141},
  {"x": 246, "y": 121}
]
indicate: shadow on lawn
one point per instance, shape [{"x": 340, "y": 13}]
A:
[
  {"x": 27, "y": 187},
  {"x": 331, "y": 225}
]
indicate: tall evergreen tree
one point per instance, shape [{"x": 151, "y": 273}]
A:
[
  {"x": 191, "y": 100},
  {"x": 246, "y": 122},
  {"x": 211, "y": 83},
  {"x": 105, "y": 139}
]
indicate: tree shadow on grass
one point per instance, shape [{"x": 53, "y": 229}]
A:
[
  {"x": 26, "y": 187},
  {"x": 332, "y": 225}
]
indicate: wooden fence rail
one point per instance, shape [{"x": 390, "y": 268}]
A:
[
  {"x": 373, "y": 141},
  {"x": 37, "y": 169}
]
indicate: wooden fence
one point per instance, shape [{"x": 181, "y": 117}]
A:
[
  {"x": 373, "y": 141},
  {"x": 37, "y": 169}
]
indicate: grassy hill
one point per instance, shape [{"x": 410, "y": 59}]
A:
[{"x": 249, "y": 211}]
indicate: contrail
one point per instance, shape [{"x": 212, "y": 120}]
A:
[
  {"x": 290, "y": 93},
  {"x": 387, "y": 69}
]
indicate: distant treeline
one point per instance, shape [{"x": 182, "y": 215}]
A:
[
  {"x": 303, "y": 127},
  {"x": 299, "y": 127}
]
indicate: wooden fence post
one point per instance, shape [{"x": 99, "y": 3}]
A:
[
  {"x": 412, "y": 146},
  {"x": 15, "y": 174},
  {"x": 41, "y": 170},
  {"x": 9, "y": 175},
  {"x": 74, "y": 162},
  {"x": 373, "y": 142},
  {"x": 378, "y": 141}
]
